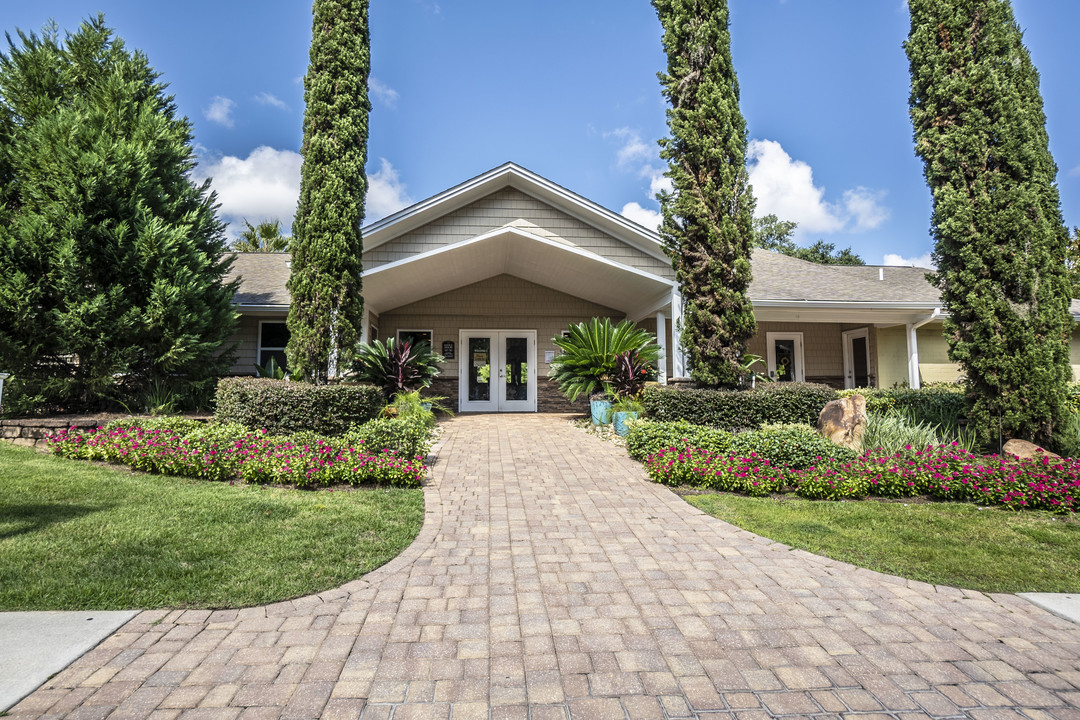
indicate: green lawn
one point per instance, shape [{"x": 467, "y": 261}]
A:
[
  {"x": 74, "y": 535},
  {"x": 993, "y": 550}
]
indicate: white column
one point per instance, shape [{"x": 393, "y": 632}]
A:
[
  {"x": 365, "y": 327},
  {"x": 661, "y": 340},
  {"x": 678, "y": 355},
  {"x": 913, "y": 355}
]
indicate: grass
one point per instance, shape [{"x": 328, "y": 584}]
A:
[
  {"x": 957, "y": 544},
  {"x": 75, "y": 535}
]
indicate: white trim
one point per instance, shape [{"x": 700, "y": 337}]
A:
[
  {"x": 914, "y": 378},
  {"x": 800, "y": 357},
  {"x": 259, "y": 339},
  {"x": 678, "y": 353},
  {"x": 849, "y": 359},
  {"x": 497, "y": 401},
  {"x": 527, "y": 182},
  {"x": 506, "y": 230}
]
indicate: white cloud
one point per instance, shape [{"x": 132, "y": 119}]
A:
[
  {"x": 633, "y": 149},
  {"x": 660, "y": 183},
  {"x": 864, "y": 207},
  {"x": 265, "y": 98},
  {"x": 385, "y": 94},
  {"x": 264, "y": 186},
  {"x": 785, "y": 187},
  {"x": 386, "y": 193},
  {"x": 641, "y": 215},
  {"x": 220, "y": 111},
  {"x": 924, "y": 261}
]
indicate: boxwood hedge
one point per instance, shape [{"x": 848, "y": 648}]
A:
[
  {"x": 740, "y": 409},
  {"x": 282, "y": 407},
  {"x": 934, "y": 404}
]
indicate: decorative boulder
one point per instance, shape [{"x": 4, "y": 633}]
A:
[
  {"x": 1025, "y": 450},
  {"x": 844, "y": 421}
]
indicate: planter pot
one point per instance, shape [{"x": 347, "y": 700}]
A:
[
  {"x": 620, "y": 422},
  {"x": 601, "y": 409},
  {"x": 426, "y": 406}
]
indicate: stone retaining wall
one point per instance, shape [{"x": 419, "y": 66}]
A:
[{"x": 33, "y": 432}]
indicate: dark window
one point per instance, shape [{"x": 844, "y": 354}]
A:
[
  {"x": 273, "y": 337},
  {"x": 414, "y": 336}
]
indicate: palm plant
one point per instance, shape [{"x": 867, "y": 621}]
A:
[
  {"x": 265, "y": 237},
  {"x": 590, "y": 355},
  {"x": 397, "y": 367}
]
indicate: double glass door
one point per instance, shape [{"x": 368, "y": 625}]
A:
[{"x": 497, "y": 371}]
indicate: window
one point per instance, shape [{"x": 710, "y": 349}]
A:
[
  {"x": 414, "y": 336},
  {"x": 273, "y": 337}
]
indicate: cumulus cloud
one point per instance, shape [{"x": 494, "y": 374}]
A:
[
  {"x": 385, "y": 94},
  {"x": 386, "y": 193},
  {"x": 923, "y": 261},
  {"x": 265, "y": 98},
  {"x": 220, "y": 111},
  {"x": 785, "y": 187},
  {"x": 633, "y": 151},
  {"x": 641, "y": 215},
  {"x": 263, "y": 186}
]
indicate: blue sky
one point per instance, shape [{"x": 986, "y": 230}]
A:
[{"x": 569, "y": 90}]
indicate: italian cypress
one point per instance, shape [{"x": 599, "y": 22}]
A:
[
  {"x": 708, "y": 217},
  {"x": 112, "y": 262},
  {"x": 327, "y": 307},
  {"x": 1000, "y": 240}
]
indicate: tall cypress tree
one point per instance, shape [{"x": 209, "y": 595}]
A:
[
  {"x": 999, "y": 237},
  {"x": 327, "y": 308},
  {"x": 708, "y": 218},
  {"x": 112, "y": 263}
]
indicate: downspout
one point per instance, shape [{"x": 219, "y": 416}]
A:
[{"x": 913, "y": 347}]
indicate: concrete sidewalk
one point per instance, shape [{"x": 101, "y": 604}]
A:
[
  {"x": 553, "y": 580},
  {"x": 36, "y": 645}
]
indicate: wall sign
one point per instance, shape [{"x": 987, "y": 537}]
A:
[{"x": 448, "y": 349}]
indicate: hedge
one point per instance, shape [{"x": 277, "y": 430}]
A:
[
  {"x": 934, "y": 404},
  {"x": 647, "y": 437},
  {"x": 281, "y": 406},
  {"x": 736, "y": 410}
]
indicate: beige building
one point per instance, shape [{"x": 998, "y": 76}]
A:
[{"x": 491, "y": 270}]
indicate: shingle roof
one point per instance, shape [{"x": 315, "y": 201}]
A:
[
  {"x": 262, "y": 278},
  {"x": 776, "y": 277},
  {"x": 781, "y": 277}
]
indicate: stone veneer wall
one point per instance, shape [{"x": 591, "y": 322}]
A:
[
  {"x": 33, "y": 432},
  {"x": 548, "y": 397}
]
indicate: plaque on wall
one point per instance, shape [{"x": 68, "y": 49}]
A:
[{"x": 448, "y": 349}]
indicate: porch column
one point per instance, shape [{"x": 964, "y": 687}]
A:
[
  {"x": 678, "y": 355},
  {"x": 661, "y": 340},
  {"x": 365, "y": 327},
  {"x": 913, "y": 356}
]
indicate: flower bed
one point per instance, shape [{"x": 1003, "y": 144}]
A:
[
  {"x": 230, "y": 452},
  {"x": 946, "y": 472}
]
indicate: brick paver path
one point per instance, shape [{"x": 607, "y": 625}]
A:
[{"x": 551, "y": 580}]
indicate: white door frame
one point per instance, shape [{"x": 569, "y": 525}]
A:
[
  {"x": 498, "y": 401},
  {"x": 849, "y": 359},
  {"x": 800, "y": 360}
]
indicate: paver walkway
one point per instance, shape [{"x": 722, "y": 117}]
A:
[{"x": 552, "y": 580}]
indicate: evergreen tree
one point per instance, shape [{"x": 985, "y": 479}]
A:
[
  {"x": 707, "y": 226},
  {"x": 265, "y": 237},
  {"x": 327, "y": 308},
  {"x": 111, "y": 261},
  {"x": 999, "y": 236}
]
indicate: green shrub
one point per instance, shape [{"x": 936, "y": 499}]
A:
[
  {"x": 589, "y": 361},
  {"x": 647, "y": 438},
  {"x": 936, "y": 405},
  {"x": 740, "y": 409},
  {"x": 888, "y": 433},
  {"x": 407, "y": 437},
  {"x": 792, "y": 445},
  {"x": 397, "y": 367},
  {"x": 282, "y": 407}
]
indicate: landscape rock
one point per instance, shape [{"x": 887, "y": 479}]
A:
[
  {"x": 1025, "y": 450},
  {"x": 844, "y": 421}
]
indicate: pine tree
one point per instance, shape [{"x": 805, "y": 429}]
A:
[
  {"x": 111, "y": 261},
  {"x": 707, "y": 227},
  {"x": 999, "y": 236},
  {"x": 327, "y": 307}
]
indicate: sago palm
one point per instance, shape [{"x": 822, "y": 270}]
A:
[{"x": 590, "y": 353}]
